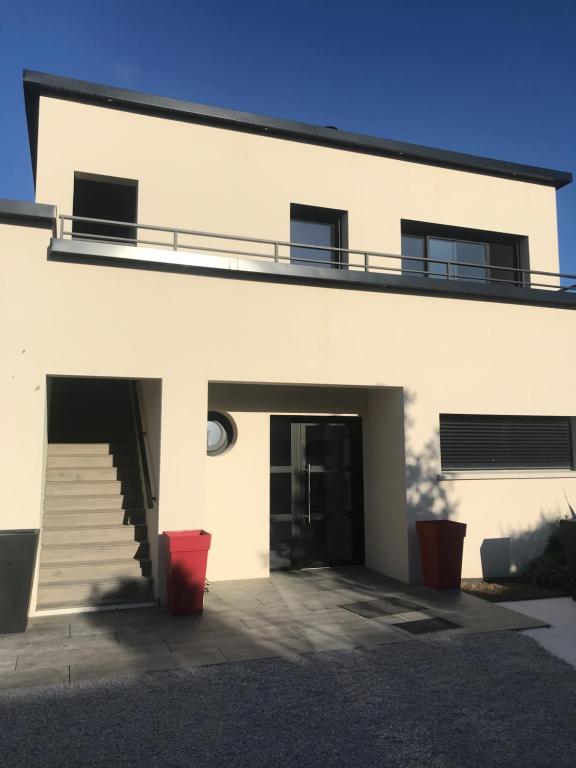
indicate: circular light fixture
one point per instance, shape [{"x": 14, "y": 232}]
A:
[{"x": 221, "y": 433}]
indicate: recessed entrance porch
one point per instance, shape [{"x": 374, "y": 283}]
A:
[{"x": 313, "y": 476}]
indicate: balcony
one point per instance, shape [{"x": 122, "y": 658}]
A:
[{"x": 144, "y": 246}]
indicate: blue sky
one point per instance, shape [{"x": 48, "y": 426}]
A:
[{"x": 496, "y": 77}]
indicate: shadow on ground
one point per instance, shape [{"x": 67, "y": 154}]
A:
[{"x": 467, "y": 702}]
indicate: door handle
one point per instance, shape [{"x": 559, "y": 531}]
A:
[{"x": 309, "y": 473}]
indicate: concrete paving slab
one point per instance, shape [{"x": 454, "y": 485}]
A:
[
  {"x": 328, "y": 638},
  {"x": 94, "y": 643},
  {"x": 35, "y": 659},
  {"x": 194, "y": 657},
  {"x": 26, "y": 678},
  {"x": 8, "y": 662},
  {"x": 112, "y": 668},
  {"x": 560, "y": 613},
  {"x": 91, "y": 630},
  {"x": 37, "y": 635},
  {"x": 288, "y": 613},
  {"x": 284, "y": 644},
  {"x": 209, "y": 640}
]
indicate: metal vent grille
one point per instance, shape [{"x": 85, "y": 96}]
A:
[{"x": 505, "y": 442}]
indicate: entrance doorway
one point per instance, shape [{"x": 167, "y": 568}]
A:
[{"x": 316, "y": 515}]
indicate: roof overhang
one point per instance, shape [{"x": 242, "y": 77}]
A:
[{"x": 37, "y": 84}]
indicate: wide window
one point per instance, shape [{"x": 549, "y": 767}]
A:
[
  {"x": 108, "y": 199},
  {"x": 463, "y": 254},
  {"x": 469, "y": 442},
  {"x": 323, "y": 230}
]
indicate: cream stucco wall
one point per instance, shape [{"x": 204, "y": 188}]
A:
[
  {"x": 397, "y": 360},
  {"x": 436, "y": 354},
  {"x": 217, "y": 180}
]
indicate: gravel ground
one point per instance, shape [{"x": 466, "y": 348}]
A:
[{"x": 453, "y": 702}]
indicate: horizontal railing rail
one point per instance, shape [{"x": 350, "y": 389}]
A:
[{"x": 344, "y": 258}]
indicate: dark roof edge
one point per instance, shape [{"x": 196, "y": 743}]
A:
[
  {"x": 39, "y": 83},
  {"x": 27, "y": 213}
]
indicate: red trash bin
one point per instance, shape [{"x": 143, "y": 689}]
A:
[
  {"x": 441, "y": 547},
  {"x": 187, "y": 555}
]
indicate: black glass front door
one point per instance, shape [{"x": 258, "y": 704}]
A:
[{"x": 315, "y": 492}]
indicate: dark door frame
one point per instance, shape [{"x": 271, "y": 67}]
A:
[{"x": 357, "y": 485}]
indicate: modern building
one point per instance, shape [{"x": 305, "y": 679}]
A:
[{"x": 370, "y": 332}]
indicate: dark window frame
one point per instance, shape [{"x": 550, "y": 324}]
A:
[
  {"x": 480, "y": 443},
  {"x": 427, "y": 231},
  {"x": 318, "y": 214}
]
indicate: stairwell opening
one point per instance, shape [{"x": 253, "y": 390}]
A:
[{"x": 100, "y": 500}]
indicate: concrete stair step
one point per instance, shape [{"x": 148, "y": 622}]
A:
[
  {"x": 75, "y": 461},
  {"x": 78, "y": 518},
  {"x": 89, "y": 553},
  {"x": 75, "y": 449},
  {"x": 125, "y": 461},
  {"x": 94, "y": 548},
  {"x": 128, "y": 501},
  {"x": 94, "y": 474},
  {"x": 95, "y": 535},
  {"x": 107, "y": 592},
  {"x": 83, "y": 489},
  {"x": 94, "y": 571}
]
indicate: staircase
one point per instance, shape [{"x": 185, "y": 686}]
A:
[
  {"x": 94, "y": 540},
  {"x": 94, "y": 546}
]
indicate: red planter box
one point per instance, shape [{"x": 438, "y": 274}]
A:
[
  {"x": 187, "y": 556},
  {"x": 441, "y": 547}
]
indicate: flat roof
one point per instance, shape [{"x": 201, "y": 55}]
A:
[{"x": 37, "y": 84}]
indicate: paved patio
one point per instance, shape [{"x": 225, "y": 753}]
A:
[{"x": 285, "y": 615}]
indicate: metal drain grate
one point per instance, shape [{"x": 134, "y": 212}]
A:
[
  {"x": 423, "y": 626},
  {"x": 384, "y": 606}
]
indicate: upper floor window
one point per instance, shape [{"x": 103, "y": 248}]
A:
[
  {"x": 107, "y": 199},
  {"x": 438, "y": 251},
  {"x": 324, "y": 228}
]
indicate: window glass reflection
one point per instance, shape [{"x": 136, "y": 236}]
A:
[{"x": 415, "y": 247}]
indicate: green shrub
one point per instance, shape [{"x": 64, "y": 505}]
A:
[{"x": 550, "y": 570}]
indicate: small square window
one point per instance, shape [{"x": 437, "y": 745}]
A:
[
  {"x": 109, "y": 200},
  {"x": 318, "y": 234}
]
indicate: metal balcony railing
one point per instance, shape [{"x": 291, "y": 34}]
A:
[{"x": 281, "y": 252}]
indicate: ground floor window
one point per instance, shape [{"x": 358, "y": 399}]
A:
[{"x": 469, "y": 442}]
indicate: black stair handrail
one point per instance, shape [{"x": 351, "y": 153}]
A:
[{"x": 141, "y": 446}]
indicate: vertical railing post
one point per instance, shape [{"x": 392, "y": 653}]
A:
[
  {"x": 276, "y": 257},
  {"x": 366, "y": 263},
  {"x": 175, "y": 244},
  {"x": 61, "y": 228},
  {"x": 448, "y": 273}
]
